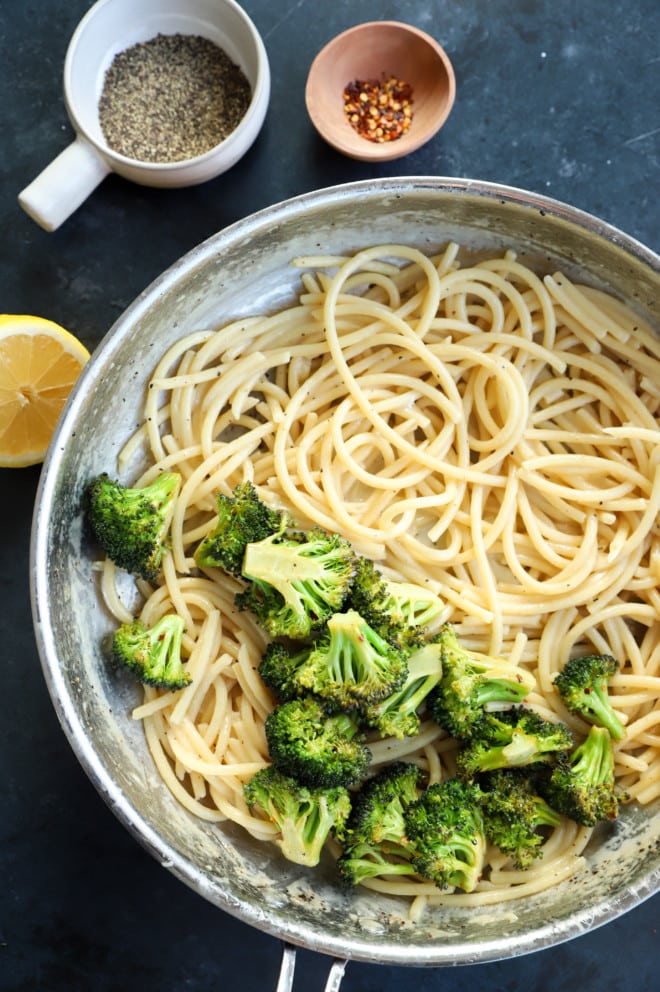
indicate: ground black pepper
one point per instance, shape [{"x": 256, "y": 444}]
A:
[
  {"x": 171, "y": 98},
  {"x": 379, "y": 110}
]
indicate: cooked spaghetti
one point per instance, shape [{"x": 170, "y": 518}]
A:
[{"x": 473, "y": 427}]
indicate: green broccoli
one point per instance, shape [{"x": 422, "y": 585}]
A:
[
  {"x": 471, "y": 683},
  {"x": 367, "y": 860},
  {"x": 319, "y": 749},
  {"x": 305, "y": 817},
  {"x": 582, "y": 786},
  {"x": 242, "y": 517},
  {"x": 132, "y": 525},
  {"x": 351, "y": 666},
  {"x": 583, "y": 683},
  {"x": 398, "y": 611},
  {"x": 375, "y": 836},
  {"x": 152, "y": 654},
  {"x": 446, "y": 830},
  {"x": 512, "y": 739},
  {"x": 397, "y": 715},
  {"x": 296, "y": 581},
  {"x": 514, "y": 812},
  {"x": 279, "y": 668}
]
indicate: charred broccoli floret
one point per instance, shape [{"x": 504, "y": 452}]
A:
[
  {"x": 397, "y": 715},
  {"x": 130, "y": 524},
  {"x": 446, "y": 830},
  {"x": 296, "y": 581},
  {"x": 279, "y": 669},
  {"x": 152, "y": 654},
  {"x": 512, "y": 739},
  {"x": 376, "y": 842},
  {"x": 471, "y": 683},
  {"x": 242, "y": 518},
  {"x": 399, "y": 611},
  {"x": 583, "y": 684},
  {"x": 514, "y": 814},
  {"x": 351, "y": 665},
  {"x": 319, "y": 749},
  {"x": 305, "y": 817},
  {"x": 582, "y": 786}
]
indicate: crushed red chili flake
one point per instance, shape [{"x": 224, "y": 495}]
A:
[{"x": 379, "y": 111}]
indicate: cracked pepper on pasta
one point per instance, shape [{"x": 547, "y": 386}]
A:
[{"x": 474, "y": 427}]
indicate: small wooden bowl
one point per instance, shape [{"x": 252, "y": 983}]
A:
[{"x": 374, "y": 51}]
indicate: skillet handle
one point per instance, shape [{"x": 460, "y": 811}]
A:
[{"x": 287, "y": 968}]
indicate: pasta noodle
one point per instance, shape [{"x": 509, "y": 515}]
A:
[{"x": 475, "y": 428}]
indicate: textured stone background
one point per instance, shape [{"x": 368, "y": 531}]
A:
[{"x": 561, "y": 98}]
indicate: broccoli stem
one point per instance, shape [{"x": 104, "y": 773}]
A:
[
  {"x": 500, "y": 691},
  {"x": 602, "y": 712},
  {"x": 521, "y": 750},
  {"x": 264, "y": 560},
  {"x": 396, "y": 715},
  {"x": 353, "y": 650},
  {"x": 593, "y": 760}
]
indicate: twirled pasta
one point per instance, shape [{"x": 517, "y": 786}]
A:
[{"x": 478, "y": 429}]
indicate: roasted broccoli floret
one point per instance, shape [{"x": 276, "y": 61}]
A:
[
  {"x": 471, "y": 683},
  {"x": 375, "y": 837},
  {"x": 132, "y": 525},
  {"x": 351, "y": 665},
  {"x": 582, "y": 786},
  {"x": 514, "y": 814},
  {"x": 319, "y": 749},
  {"x": 305, "y": 817},
  {"x": 296, "y": 581},
  {"x": 583, "y": 684},
  {"x": 399, "y": 611},
  {"x": 279, "y": 669},
  {"x": 512, "y": 739},
  {"x": 242, "y": 517},
  {"x": 446, "y": 830},
  {"x": 397, "y": 715},
  {"x": 152, "y": 654}
]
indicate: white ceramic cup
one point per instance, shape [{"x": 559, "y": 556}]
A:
[{"x": 109, "y": 27}]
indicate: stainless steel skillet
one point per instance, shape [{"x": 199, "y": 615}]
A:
[{"x": 241, "y": 270}]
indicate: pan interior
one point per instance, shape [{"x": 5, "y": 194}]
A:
[{"x": 243, "y": 270}]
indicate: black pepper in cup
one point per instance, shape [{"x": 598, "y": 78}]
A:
[{"x": 171, "y": 98}]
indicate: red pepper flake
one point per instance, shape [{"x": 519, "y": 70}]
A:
[{"x": 379, "y": 111}]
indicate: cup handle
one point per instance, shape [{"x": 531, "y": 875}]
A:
[{"x": 64, "y": 184}]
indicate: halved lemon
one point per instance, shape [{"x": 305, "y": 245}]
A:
[{"x": 39, "y": 365}]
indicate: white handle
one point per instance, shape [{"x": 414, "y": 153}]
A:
[{"x": 64, "y": 184}]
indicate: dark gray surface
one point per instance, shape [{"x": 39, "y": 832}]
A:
[{"x": 560, "y": 98}]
